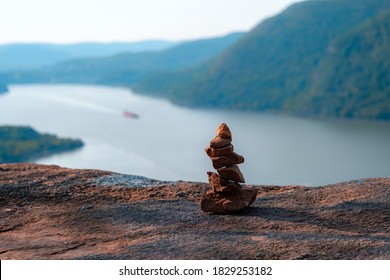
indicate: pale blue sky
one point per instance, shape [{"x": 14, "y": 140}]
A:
[{"x": 67, "y": 21}]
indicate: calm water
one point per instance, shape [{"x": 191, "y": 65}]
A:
[{"x": 167, "y": 141}]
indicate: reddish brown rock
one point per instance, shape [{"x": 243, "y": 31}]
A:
[
  {"x": 227, "y": 160},
  {"x": 219, "y": 142},
  {"x": 223, "y": 131},
  {"x": 219, "y": 152},
  {"x": 215, "y": 178},
  {"x": 231, "y": 173},
  {"x": 226, "y": 195},
  {"x": 228, "y": 202},
  {"x": 219, "y": 184},
  {"x": 49, "y": 212}
]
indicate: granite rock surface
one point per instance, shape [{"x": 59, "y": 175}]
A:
[{"x": 49, "y": 212}]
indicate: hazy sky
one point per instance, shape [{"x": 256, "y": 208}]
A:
[{"x": 65, "y": 21}]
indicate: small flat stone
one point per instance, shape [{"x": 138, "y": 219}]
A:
[
  {"x": 219, "y": 152},
  {"x": 228, "y": 202},
  {"x": 219, "y": 142},
  {"x": 227, "y": 160},
  {"x": 219, "y": 184},
  {"x": 231, "y": 173},
  {"x": 223, "y": 131}
]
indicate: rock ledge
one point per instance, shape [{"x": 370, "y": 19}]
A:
[{"x": 49, "y": 212}]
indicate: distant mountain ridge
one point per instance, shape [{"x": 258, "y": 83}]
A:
[
  {"x": 303, "y": 61},
  {"x": 316, "y": 58},
  {"x": 26, "y": 56},
  {"x": 126, "y": 68}
]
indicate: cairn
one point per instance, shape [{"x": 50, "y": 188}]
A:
[{"x": 226, "y": 195}]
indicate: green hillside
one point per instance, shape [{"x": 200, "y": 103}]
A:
[
  {"x": 353, "y": 79},
  {"x": 280, "y": 65},
  {"x": 325, "y": 58},
  {"x": 126, "y": 68},
  {"x": 19, "y": 144}
]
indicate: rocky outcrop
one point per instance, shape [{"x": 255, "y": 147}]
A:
[
  {"x": 226, "y": 195},
  {"x": 49, "y": 212}
]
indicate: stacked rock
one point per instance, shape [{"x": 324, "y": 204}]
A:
[{"x": 226, "y": 195}]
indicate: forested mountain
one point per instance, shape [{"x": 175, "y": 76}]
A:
[
  {"x": 35, "y": 55},
  {"x": 353, "y": 79},
  {"x": 126, "y": 68},
  {"x": 325, "y": 57}
]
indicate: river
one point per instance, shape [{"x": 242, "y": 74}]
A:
[{"x": 167, "y": 142}]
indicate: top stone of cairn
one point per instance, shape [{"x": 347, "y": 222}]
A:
[{"x": 223, "y": 131}]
